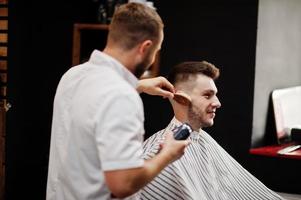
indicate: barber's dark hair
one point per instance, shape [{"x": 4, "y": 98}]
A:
[
  {"x": 134, "y": 23},
  {"x": 184, "y": 70}
]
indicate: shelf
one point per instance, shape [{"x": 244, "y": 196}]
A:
[
  {"x": 79, "y": 50},
  {"x": 271, "y": 151}
]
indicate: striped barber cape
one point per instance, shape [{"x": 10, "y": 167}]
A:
[{"x": 205, "y": 172}]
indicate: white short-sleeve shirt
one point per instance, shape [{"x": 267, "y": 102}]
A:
[{"x": 97, "y": 126}]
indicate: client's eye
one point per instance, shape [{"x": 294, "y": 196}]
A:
[{"x": 207, "y": 96}]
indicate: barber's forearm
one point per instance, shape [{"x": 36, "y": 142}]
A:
[
  {"x": 159, "y": 86},
  {"x": 152, "y": 168},
  {"x": 123, "y": 183},
  {"x": 140, "y": 87}
]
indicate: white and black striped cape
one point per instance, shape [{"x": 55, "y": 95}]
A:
[{"x": 205, "y": 172}]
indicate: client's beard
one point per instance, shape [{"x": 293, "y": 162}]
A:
[{"x": 194, "y": 118}]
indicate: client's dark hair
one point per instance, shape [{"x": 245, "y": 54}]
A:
[{"x": 184, "y": 70}]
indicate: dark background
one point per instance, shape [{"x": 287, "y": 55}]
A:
[{"x": 40, "y": 47}]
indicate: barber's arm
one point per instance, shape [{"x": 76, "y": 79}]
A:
[
  {"x": 123, "y": 183},
  {"x": 156, "y": 86}
]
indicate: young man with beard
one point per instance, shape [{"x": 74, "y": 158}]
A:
[
  {"x": 206, "y": 171},
  {"x": 97, "y": 128}
]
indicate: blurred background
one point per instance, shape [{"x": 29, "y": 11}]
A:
[{"x": 256, "y": 44}]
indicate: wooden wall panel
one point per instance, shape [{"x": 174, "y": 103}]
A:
[
  {"x": 3, "y": 77},
  {"x": 3, "y": 87},
  {"x": 3, "y": 24},
  {"x": 3, "y": 2},
  {"x": 3, "y": 37},
  {"x": 3, "y": 65},
  {"x": 3, "y": 51},
  {"x": 2, "y": 152},
  {"x": 3, "y": 91},
  {"x": 3, "y": 12}
]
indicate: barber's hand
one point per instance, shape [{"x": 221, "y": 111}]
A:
[
  {"x": 156, "y": 86},
  {"x": 174, "y": 149}
]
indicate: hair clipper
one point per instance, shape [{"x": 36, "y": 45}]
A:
[{"x": 182, "y": 132}]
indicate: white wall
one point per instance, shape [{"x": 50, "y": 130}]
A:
[{"x": 278, "y": 55}]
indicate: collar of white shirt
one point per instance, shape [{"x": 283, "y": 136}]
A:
[{"x": 100, "y": 58}]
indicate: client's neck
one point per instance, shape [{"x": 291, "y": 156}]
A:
[
  {"x": 181, "y": 113},
  {"x": 182, "y": 116}
]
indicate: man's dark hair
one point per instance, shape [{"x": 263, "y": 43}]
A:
[{"x": 183, "y": 71}]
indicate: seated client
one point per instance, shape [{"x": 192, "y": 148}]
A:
[{"x": 206, "y": 171}]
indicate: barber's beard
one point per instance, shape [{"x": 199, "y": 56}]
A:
[
  {"x": 140, "y": 69},
  {"x": 143, "y": 66}
]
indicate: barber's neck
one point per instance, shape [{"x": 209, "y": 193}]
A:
[{"x": 122, "y": 56}]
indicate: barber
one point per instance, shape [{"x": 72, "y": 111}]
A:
[{"x": 98, "y": 120}]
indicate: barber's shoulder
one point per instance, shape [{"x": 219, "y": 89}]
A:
[{"x": 124, "y": 98}]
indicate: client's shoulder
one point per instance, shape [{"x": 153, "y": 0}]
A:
[{"x": 155, "y": 138}]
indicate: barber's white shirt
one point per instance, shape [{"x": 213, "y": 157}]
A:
[{"x": 97, "y": 126}]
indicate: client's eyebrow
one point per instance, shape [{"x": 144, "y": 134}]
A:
[{"x": 210, "y": 91}]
